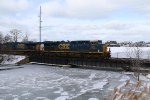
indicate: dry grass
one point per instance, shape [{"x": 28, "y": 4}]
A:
[{"x": 130, "y": 91}]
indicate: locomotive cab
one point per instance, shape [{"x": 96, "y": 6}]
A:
[
  {"x": 39, "y": 46},
  {"x": 106, "y": 52}
]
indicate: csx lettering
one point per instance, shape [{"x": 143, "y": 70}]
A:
[{"x": 63, "y": 46}]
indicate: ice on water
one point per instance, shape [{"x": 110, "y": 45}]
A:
[{"x": 39, "y": 82}]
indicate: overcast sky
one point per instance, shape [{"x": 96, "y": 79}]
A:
[{"x": 120, "y": 20}]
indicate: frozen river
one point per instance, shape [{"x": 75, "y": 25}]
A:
[{"x": 39, "y": 82}]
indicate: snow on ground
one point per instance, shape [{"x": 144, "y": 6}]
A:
[
  {"x": 121, "y": 52},
  {"x": 148, "y": 76},
  {"x": 39, "y": 82},
  {"x": 11, "y": 59},
  {"x": 93, "y": 99},
  {"x": 124, "y": 78}
]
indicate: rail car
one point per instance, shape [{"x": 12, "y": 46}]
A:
[
  {"x": 18, "y": 46},
  {"x": 60, "y": 46}
]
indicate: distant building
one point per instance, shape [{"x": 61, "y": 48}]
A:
[
  {"x": 148, "y": 44},
  {"x": 112, "y": 44},
  {"x": 131, "y": 44},
  {"x": 126, "y": 44},
  {"x": 140, "y": 44}
]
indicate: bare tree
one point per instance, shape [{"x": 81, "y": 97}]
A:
[
  {"x": 1, "y": 41},
  {"x": 137, "y": 62},
  {"x": 15, "y": 34},
  {"x": 7, "y": 38},
  {"x": 1, "y": 37},
  {"x": 148, "y": 54},
  {"x": 129, "y": 52},
  {"x": 34, "y": 40},
  {"x": 135, "y": 55},
  {"x": 26, "y": 37}
]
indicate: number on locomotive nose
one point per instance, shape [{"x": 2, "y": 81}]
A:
[{"x": 63, "y": 46}]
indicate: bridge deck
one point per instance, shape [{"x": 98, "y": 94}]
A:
[{"x": 77, "y": 58}]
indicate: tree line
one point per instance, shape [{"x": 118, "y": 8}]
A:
[{"x": 13, "y": 36}]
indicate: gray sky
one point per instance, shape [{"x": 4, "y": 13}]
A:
[{"x": 121, "y": 20}]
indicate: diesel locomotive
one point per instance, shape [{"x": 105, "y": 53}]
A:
[{"x": 60, "y": 46}]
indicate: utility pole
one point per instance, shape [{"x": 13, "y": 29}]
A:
[{"x": 40, "y": 21}]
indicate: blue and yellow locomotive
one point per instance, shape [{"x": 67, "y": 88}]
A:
[
  {"x": 60, "y": 46},
  {"x": 80, "y": 46}
]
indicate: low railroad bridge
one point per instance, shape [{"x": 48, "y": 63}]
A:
[{"x": 92, "y": 60}]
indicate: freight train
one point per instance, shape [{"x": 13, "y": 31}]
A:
[{"x": 60, "y": 46}]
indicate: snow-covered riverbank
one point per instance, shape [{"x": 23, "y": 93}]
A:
[
  {"x": 11, "y": 59},
  {"x": 121, "y": 52}
]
